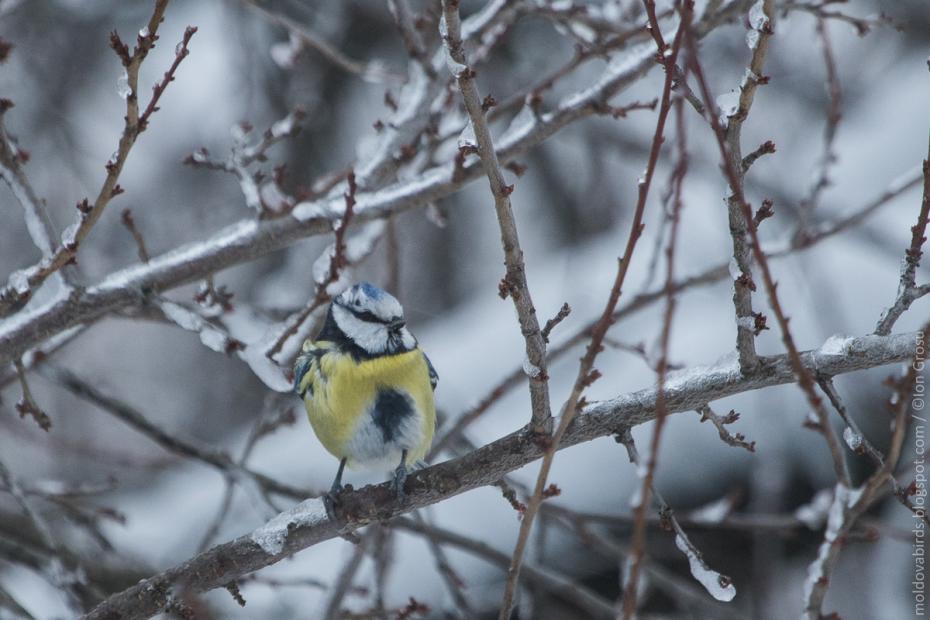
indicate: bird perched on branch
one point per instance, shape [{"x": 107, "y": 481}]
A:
[{"x": 367, "y": 386}]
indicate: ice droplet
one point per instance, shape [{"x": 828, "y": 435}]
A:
[
  {"x": 144, "y": 32},
  {"x": 852, "y": 438},
  {"x": 122, "y": 86},
  {"x": 728, "y": 103},
  {"x": 467, "y": 138},
  {"x": 757, "y": 17},
  {"x": 735, "y": 271}
]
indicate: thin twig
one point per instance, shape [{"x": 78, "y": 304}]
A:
[
  {"x": 908, "y": 292},
  {"x": 15, "y": 294},
  {"x": 586, "y": 372},
  {"x": 514, "y": 283}
]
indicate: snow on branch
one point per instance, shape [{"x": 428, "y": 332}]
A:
[{"x": 305, "y": 525}]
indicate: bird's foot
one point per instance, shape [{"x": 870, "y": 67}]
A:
[
  {"x": 331, "y": 500},
  {"x": 400, "y": 477}
]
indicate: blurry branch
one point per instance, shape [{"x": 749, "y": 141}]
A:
[
  {"x": 248, "y": 239},
  {"x": 27, "y": 404},
  {"x": 554, "y": 583},
  {"x": 12, "y": 159},
  {"x": 647, "y": 470},
  {"x": 267, "y": 199},
  {"x": 186, "y": 448},
  {"x": 676, "y": 587},
  {"x": 454, "y": 583},
  {"x": 22, "y": 283},
  {"x": 643, "y": 300},
  {"x": 403, "y": 19},
  {"x": 804, "y": 375},
  {"x": 851, "y": 503},
  {"x": 743, "y": 285},
  {"x": 374, "y": 72},
  {"x": 62, "y": 572},
  {"x": 862, "y": 24},
  {"x": 857, "y": 442},
  {"x": 834, "y": 92},
  {"x": 273, "y": 416},
  {"x": 307, "y": 524},
  {"x": 338, "y": 260},
  {"x": 717, "y": 585},
  {"x": 514, "y": 283},
  {"x": 130, "y": 225},
  {"x": 343, "y": 582},
  {"x": 908, "y": 291}
]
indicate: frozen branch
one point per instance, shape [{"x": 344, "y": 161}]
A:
[
  {"x": 249, "y": 239},
  {"x": 22, "y": 283},
  {"x": 908, "y": 291},
  {"x": 308, "y": 524}
]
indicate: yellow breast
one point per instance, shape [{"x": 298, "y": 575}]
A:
[{"x": 342, "y": 393}]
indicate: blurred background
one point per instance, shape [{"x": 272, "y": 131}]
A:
[{"x": 128, "y": 507}]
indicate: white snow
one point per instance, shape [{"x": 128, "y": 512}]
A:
[
  {"x": 746, "y": 322},
  {"x": 272, "y": 536},
  {"x": 835, "y": 521},
  {"x": 716, "y": 584},
  {"x": 728, "y": 103},
  {"x": 19, "y": 280},
  {"x": 714, "y": 512},
  {"x": 752, "y": 39},
  {"x": 734, "y": 269},
  {"x": 283, "y": 126},
  {"x": 835, "y": 345},
  {"x": 144, "y": 32},
  {"x": 813, "y": 513},
  {"x": 852, "y": 438},
  {"x": 467, "y": 137},
  {"x": 532, "y": 371},
  {"x": 122, "y": 86},
  {"x": 757, "y": 17}
]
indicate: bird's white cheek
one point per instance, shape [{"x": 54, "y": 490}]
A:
[{"x": 409, "y": 341}]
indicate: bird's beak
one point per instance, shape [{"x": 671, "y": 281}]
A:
[{"x": 397, "y": 324}]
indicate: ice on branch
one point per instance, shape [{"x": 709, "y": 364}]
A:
[
  {"x": 122, "y": 86},
  {"x": 718, "y": 586},
  {"x": 272, "y": 536}
]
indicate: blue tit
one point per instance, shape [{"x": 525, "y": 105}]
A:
[{"x": 367, "y": 386}]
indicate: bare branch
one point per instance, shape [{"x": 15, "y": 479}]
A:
[
  {"x": 514, "y": 283},
  {"x": 308, "y": 524}
]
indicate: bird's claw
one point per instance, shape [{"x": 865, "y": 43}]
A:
[
  {"x": 331, "y": 500},
  {"x": 400, "y": 477}
]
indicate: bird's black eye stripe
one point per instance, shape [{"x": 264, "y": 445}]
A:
[{"x": 368, "y": 317}]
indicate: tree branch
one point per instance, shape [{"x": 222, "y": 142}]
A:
[{"x": 307, "y": 524}]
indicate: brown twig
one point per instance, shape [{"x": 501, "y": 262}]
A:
[
  {"x": 804, "y": 377},
  {"x": 130, "y": 225},
  {"x": 720, "y": 421},
  {"x": 743, "y": 285},
  {"x": 13, "y": 297},
  {"x": 586, "y": 372},
  {"x": 637, "y": 550},
  {"x": 337, "y": 263},
  {"x": 908, "y": 291},
  {"x": 514, "y": 283},
  {"x": 27, "y": 404}
]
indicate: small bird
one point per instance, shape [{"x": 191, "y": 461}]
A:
[{"x": 367, "y": 386}]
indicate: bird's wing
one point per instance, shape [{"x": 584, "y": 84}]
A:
[
  {"x": 307, "y": 366},
  {"x": 433, "y": 375}
]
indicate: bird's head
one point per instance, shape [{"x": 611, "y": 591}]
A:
[{"x": 373, "y": 319}]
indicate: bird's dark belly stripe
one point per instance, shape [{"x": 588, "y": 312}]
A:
[{"x": 391, "y": 411}]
